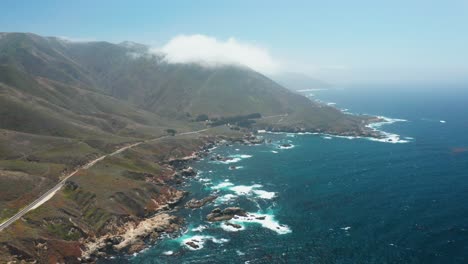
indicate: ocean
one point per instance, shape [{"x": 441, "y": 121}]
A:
[{"x": 339, "y": 200}]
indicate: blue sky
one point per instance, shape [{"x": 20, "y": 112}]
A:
[{"x": 339, "y": 41}]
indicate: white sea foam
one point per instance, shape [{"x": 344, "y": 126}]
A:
[
  {"x": 234, "y": 158},
  {"x": 386, "y": 121},
  {"x": 230, "y": 160},
  {"x": 264, "y": 194},
  {"x": 286, "y": 147},
  {"x": 200, "y": 240},
  {"x": 242, "y": 190},
  {"x": 326, "y": 137},
  {"x": 200, "y": 228},
  {"x": 242, "y": 156},
  {"x": 227, "y": 198},
  {"x": 389, "y": 138},
  {"x": 204, "y": 180},
  {"x": 252, "y": 190},
  {"x": 265, "y": 220},
  {"x": 331, "y": 103},
  {"x": 240, "y": 253},
  {"x": 222, "y": 185},
  {"x": 346, "y": 228}
]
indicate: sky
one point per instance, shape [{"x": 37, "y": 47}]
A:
[{"x": 336, "y": 41}]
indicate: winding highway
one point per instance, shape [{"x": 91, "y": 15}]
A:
[{"x": 51, "y": 192}]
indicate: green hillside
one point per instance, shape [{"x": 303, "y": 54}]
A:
[
  {"x": 64, "y": 103},
  {"x": 131, "y": 73}
]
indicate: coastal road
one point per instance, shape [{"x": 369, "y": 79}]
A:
[{"x": 50, "y": 193}]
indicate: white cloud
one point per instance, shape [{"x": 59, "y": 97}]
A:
[
  {"x": 71, "y": 39},
  {"x": 210, "y": 51}
]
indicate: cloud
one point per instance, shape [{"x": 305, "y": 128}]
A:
[
  {"x": 77, "y": 40},
  {"x": 210, "y": 51}
]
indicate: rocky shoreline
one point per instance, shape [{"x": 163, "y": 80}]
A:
[
  {"x": 130, "y": 237},
  {"x": 361, "y": 131},
  {"x": 133, "y": 235}
]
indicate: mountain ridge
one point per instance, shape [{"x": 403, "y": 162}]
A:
[{"x": 65, "y": 103}]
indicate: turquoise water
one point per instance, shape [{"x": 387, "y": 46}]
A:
[{"x": 337, "y": 200}]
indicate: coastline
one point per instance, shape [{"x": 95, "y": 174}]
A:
[
  {"x": 184, "y": 163},
  {"x": 373, "y": 133},
  {"x": 135, "y": 235},
  {"x": 130, "y": 235}
]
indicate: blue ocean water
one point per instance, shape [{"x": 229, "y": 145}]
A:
[{"x": 337, "y": 200}]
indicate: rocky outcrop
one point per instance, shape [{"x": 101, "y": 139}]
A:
[
  {"x": 227, "y": 214},
  {"x": 192, "y": 245},
  {"x": 194, "y": 203},
  {"x": 188, "y": 172},
  {"x": 221, "y": 158},
  {"x": 236, "y": 226},
  {"x": 130, "y": 238},
  {"x": 251, "y": 139}
]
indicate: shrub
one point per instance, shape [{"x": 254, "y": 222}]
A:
[
  {"x": 202, "y": 117},
  {"x": 171, "y": 131}
]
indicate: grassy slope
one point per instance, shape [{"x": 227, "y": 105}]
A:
[{"x": 89, "y": 206}]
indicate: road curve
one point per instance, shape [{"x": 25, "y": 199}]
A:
[{"x": 50, "y": 193}]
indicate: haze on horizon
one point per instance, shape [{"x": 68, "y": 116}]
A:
[{"x": 338, "y": 42}]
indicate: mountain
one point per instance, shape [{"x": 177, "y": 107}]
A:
[
  {"x": 130, "y": 73},
  {"x": 298, "y": 81},
  {"x": 63, "y": 104}
]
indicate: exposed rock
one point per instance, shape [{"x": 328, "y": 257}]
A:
[
  {"x": 136, "y": 246},
  {"x": 216, "y": 211},
  {"x": 188, "y": 172},
  {"x": 199, "y": 203},
  {"x": 192, "y": 244},
  {"x": 252, "y": 139},
  {"x": 131, "y": 236},
  {"x": 114, "y": 240},
  {"x": 221, "y": 158},
  {"x": 237, "y": 226},
  {"x": 226, "y": 214}
]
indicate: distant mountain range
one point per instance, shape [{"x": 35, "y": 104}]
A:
[{"x": 90, "y": 81}]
